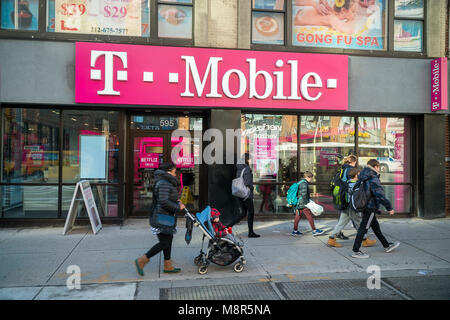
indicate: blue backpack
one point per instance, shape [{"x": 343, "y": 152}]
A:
[{"x": 291, "y": 196}]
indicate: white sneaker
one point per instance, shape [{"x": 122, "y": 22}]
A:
[
  {"x": 360, "y": 255},
  {"x": 392, "y": 246}
]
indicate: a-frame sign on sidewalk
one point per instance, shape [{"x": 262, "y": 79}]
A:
[{"x": 84, "y": 188}]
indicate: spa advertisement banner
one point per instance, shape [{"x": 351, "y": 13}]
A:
[{"x": 346, "y": 24}]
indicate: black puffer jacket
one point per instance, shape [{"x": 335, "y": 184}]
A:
[
  {"x": 378, "y": 196},
  {"x": 166, "y": 196}
]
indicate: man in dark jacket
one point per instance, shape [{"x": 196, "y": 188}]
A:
[
  {"x": 247, "y": 204},
  {"x": 166, "y": 198},
  {"x": 371, "y": 176}
]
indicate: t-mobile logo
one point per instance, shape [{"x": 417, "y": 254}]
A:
[{"x": 96, "y": 74}]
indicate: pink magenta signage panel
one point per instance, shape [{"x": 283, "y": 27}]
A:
[
  {"x": 151, "y": 75},
  {"x": 439, "y": 73}
]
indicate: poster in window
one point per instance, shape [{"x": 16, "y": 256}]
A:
[
  {"x": 268, "y": 28},
  {"x": 346, "y": 24},
  {"x": 408, "y": 35},
  {"x": 175, "y": 21},
  {"x": 107, "y": 17},
  {"x": 266, "y": 158},
  {"x": 19, "y": 14},
  {"x": 409, "y": 8},
  {"x": 92, "y": 157}
]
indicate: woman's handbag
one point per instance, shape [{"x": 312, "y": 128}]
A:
[
  {"x": 165, "y": 220},
  {"x": 238, "y": 187},
  {"x": 315, "y": 208}
]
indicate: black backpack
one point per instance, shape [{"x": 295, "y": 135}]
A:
[
  {"x": 360, "y": 195},
  {"x": 339, "y": 188}
]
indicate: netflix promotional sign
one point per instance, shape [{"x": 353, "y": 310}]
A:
[
  {"x": 439, "y": 96},
  {"x": 173, "y": 76}
]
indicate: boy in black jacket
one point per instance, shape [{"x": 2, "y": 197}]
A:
[{"x": 371, "y": 173}]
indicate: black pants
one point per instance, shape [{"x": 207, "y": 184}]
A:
[
  {"x": 248, "y": 210},
  {"x": 369, "y": 220},
  {"x": 164, "y": 245}
]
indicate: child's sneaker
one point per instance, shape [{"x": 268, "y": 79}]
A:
[
  {"x": 360, "y": 255},
  {"x": 392, "y": 246},
  {"x": 296, "y": 233},
  {"x": 317, "y": 232}
]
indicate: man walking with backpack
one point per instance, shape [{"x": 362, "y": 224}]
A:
[{"x": 370, "y": 178}]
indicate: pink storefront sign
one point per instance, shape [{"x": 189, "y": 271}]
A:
[
  {"x": 439, "y": 95},
  {"x": 173, "y": 76}
]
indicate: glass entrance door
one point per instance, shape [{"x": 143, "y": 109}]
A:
[{"x": 149, "y": 151}]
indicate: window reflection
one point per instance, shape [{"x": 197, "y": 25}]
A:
[
  {"x": 272, "y": 140},
  {"x": 30, "y": 145},
  {"x": 324, "y": 142},
  {"x": 387, "y": 140},
  {"x": 79, "y": 125}
]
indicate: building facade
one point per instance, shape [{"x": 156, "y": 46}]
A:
[{"x": 94, "y": 90}]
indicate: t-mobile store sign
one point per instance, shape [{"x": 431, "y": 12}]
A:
[
  {"x": 150, "y": 75},
  {"x": 439, "y": 98}
]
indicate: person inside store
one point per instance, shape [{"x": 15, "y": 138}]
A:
[{"x": 166, "y": 204}]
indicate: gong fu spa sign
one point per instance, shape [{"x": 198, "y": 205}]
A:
[{"x": 151, "y": 75}]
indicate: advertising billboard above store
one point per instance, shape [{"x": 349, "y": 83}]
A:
[{"x": 172, "y": 76}]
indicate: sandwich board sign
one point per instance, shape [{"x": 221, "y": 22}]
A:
[{"x": 84, "y": 188}]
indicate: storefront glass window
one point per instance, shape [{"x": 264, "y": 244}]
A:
[
  {"x": 102, "y": 17},
  {"x": 90, "y": 146},
  {"x": 271, "y": 141},
  {"x": 106, "y": 199},
  {"x": 175, "y": 21},
  {"x": 29, "y": 201},
  {"x": 387, "y": 140},
  {"x": 324, "y": 142},
  {"x": 19, "y": 14},
  {"x": 30, "y": 145}
]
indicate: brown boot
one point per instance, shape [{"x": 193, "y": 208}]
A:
[
  {"x": 368, "y": 243},
  {"x": 169, "y": 268},
  {"x": 333, "y": 243},
  {"x": 140, "y": 263}
]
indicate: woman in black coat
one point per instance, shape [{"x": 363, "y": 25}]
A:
[
  {"x": 166, "y": 201},
  {"x": 247, "y": 205}
]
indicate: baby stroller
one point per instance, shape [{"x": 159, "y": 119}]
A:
[{"x": 221, "y": 251}]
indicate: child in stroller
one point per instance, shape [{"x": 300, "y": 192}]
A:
[{"x": 222, "y": 251}]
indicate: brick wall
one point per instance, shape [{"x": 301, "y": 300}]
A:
[{"x": 447, "y": 171}]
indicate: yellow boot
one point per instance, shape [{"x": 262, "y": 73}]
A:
[
  {"x": 169, "y": 268},
  {"x": 368, "y": 243},
  {"x": 333, "y": 243},
  {"x": 140, "y": 263}
]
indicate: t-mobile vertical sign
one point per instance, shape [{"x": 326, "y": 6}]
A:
[
  {"x": 439, "y": 97},
  {"x": 151, "y": 75}
]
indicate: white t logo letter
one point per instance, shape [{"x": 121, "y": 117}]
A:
[{"x": 109, "y": 70}]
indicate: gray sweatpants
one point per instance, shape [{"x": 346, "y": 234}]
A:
[{"x": 346, "y": 216}]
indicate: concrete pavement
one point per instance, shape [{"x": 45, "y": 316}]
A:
[{"x": 34, "y": 263}]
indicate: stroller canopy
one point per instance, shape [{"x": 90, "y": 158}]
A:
[{"x": 204, "y": 218}]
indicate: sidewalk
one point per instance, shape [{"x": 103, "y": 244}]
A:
[{"x": 34, "y": 262}]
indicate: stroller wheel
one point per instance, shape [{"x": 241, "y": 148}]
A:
[
  {"x": 238, "y": 267},
  {"x": 202, "y": 270},
  {"x": 198, "y": 260}
]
